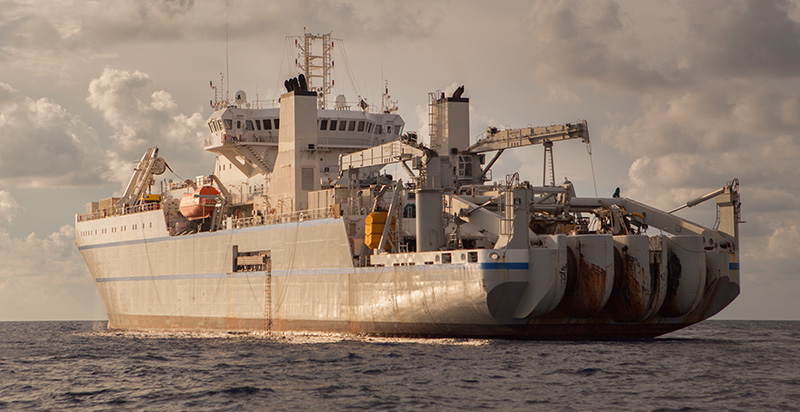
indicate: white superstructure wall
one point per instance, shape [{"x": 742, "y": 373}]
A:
[{"x": 296, "y": 170}]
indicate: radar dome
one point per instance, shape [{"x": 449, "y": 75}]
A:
[
  {"x": 340, "y": 102},
  {"x": 241, "y": 97}
]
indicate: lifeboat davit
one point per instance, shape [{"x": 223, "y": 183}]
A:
[{"x": 200, "y": 204}]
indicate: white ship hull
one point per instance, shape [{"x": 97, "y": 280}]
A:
[{"x": 150, "y": 280}]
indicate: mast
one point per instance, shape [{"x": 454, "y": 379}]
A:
[{"x": 316, "y": 66}]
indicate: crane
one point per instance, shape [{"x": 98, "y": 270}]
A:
[{"x": 500, "y": 140}]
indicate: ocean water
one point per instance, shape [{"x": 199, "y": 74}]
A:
[{"x": 712, "y": 366}]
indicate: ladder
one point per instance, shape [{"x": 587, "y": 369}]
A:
[{"x": 268, "y": 296}]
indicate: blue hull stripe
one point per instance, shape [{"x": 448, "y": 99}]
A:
[{"x": 504, "y": 265}]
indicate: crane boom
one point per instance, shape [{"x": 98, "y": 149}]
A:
[
  {"x": 149, "y": 165},
  {"x": 526, "y": 136}
]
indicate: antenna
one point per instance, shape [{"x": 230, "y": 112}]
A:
[
  {"x": 227, "y": 67},
  {"x": 316, "y": 66}
]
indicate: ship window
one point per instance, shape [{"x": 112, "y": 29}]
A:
[
  {"x": 267, "y": 124},
  {"x": 238, "y": 124},
  {"x": 378, "y": 129},
  {"x": 333, "y": 124},
  {"x": 323, "y": 124},
  {"x": 352, "y": 126},
  {"x": 398, "y": 129},
  {"x": 277, "y": 123},
  {"x": 361, "y": 126},
  {"x": 211, "y": 127},
  {"x": 369, "y": 127},
  {"x": 307, "y": 178},
  {"x": 388, "y": 129},
  {"x": 249, "y": 125},
  {"x": 228, "y": 124},
  {"x": 342, "y": 125},
  {"x": 219, "y": 125},
  {"x": 258, "y": 124}
]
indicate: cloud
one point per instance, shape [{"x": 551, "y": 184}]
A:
[
  {"x": 710, "y": 134},
  {"x": 63, "y": 291},
  {"x": 142, "y": 117},
  {"x": 589, "y": 41},
  {"x": 744, "y": 38},
  {"x": 43, "y": 144},
  {"x": 9, "y": 208},
  {"x": 85, "y": 25}
]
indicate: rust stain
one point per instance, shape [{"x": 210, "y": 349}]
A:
[
  {"x": 674, "y": 273},
  {"x": 585, "y": 298},
  {"x": 631, "y": 298}
]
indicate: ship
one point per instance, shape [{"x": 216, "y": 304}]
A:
[{"x": 301, "y": 229}]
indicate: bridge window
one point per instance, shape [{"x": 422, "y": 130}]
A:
[
  {"x": 323, "y": 124},
  {"x": 342, "y": 125},
  {"x": 333, "y": 124},
  {"x": 211, "y": 126},
  {"x": 388, "y": 129},
  {"x": 228, "y": 124},
  {"x": 249, "y": 125},
  {"x": 361, "y": 126},
  {"x": 352, "y": 126},
  {"x": 238, "y": 124},
  {"x": 277, "y": 123},
  {"x": 267, "y": 124},
  {"x": 378, "y": 129},
  {"x": 258, "y": 124},
  {"x": 369, "y": 127}
]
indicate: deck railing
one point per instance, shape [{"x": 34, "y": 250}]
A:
[
  {"x": 300, "y": 216},
  {"x": 235, "y": 223},
  {"x": 147, "y": 207}
]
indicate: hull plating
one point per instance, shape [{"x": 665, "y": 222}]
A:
[{"x": 190, "y": 283}]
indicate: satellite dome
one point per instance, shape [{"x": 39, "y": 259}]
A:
[
  {"x": 340, "y": 102},
  {"x": 241, "y": 97}
]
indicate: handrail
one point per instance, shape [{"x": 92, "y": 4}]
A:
[
  {"x": 101, "y": 214},
  {"x": 271, "y": 219}
]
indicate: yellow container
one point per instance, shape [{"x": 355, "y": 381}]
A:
[{"x": 373, "y": 229}]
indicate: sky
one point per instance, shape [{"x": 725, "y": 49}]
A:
[{"x": 680, "y": 98}]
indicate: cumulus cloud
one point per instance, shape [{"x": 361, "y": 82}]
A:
[
  {"x": 9, "y": 208},
  {"x": 712, "y": 134},
  {"x": 45, "y": 278},
  {"x": 142, "y": 117},
  {"x": 43, "y": 144}
]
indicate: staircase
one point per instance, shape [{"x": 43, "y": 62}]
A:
[{"x": 250, "y": 154}]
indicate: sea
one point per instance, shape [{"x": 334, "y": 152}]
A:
[{"x": 711, "y": 366}]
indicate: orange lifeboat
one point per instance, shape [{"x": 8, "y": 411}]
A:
[{"x": 200, "y": 204}]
